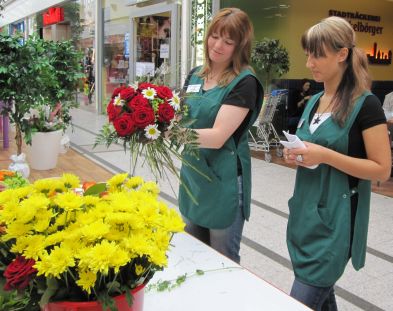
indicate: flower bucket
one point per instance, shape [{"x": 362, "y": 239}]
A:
[
  {"x": 44, "y": 150},
  {"x": 121, "y": 302}
]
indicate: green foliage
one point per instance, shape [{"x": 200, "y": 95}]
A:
[
  {"x": 15, "y": 181},
  {"x": 270, "y": 58},
  {"x": 35, "y": 73},
  {"x": 168, "y": 285}
]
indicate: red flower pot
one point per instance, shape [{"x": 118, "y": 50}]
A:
[{"x": 121, "y": 303}]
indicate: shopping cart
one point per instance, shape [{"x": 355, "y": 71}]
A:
[{"x": 266, "y": 136}]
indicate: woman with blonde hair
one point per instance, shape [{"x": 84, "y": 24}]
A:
[
  {"x": 345, "y": 133},
  {"x": 224, "y": 98}
]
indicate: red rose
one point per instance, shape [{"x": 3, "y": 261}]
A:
[
  {"x": 117, "y": 91},
  {"x": 124, "y": 125},
  {"x": 127, "y": 94},
  {"x": 138, "y": 101},
  {"x": 143, "y": 116},
  {"x": 165, "y": 113},
  {"x": 164, "y": 92},
  {"x": 145, "y": 85},
  {"x": 19, "y": 273},
  {"x": 113, "y": 111}
]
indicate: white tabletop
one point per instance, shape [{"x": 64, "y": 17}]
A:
[{"x": 225, "y": 289}]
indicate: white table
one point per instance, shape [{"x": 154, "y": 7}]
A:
[{"x": 225, "y": 289}]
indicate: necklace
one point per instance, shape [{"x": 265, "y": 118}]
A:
[{"x": 319, "y": 115}]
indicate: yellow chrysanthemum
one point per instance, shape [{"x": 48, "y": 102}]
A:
[
  {"x": 139, "y": 269},
  {"x": 137, "y": 244},
  {"x": 23, "y": 192},
  {"x": 150, "y": 187},
  {"x": 9, "y": 212},
  {"x": 69, "y": 201},
  {"x": 42, "y": 220},
  {"x": 158, "y": 257},
  {"x": 55, "y": 238},
  {"x": 35, "y": 247},
  {"x": 91, "y": 201},
  {"x": 115, "y": 183},
  {"x": 148, "y": 212},
  {"x": 173, "y": 222},
  {"x": 95, "y": 231},
  {"x": 16, "y": 230},
  {"x": 33, "y": 205},
  {"x": 87, "y": 280},
  {"x": 104, "y": 256},
  {"x": 46, "y": 186},
  {"x": 134, "y": 182},
  {"x": 96, "y": 236},
  {"x": 70, "y": 181},
  {"x": 55, "y": 263}
]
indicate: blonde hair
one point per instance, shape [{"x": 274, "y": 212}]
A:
[
  {"x": 334, "y": 33},
  {"x": 235, "y": 24}
]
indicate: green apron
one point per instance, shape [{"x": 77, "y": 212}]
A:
[
  {"x": 319, "y": 224},
  {"x": 218, "y": 199}
]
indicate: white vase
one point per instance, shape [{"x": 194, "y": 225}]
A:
[{"x": 44, "y": 150}]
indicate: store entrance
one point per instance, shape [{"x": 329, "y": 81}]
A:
[{"x": 154, "y": 51}]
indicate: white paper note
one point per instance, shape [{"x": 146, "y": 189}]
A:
[{"x": 294, "y": 142}]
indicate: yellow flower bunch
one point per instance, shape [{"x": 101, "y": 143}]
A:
[{"x": 103, "y": 241}]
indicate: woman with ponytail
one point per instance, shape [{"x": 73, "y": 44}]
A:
[{"x": 345, "y": 133}]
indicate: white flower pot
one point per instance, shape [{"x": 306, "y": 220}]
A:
[{"x": 44, "y": 150}]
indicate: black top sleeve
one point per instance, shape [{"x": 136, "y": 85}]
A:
[
  {"x": 244, "y": 94},
  {"x": 371, "y": 114}
]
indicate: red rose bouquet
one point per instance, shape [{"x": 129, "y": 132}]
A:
[{"x": 148, "y": 119}]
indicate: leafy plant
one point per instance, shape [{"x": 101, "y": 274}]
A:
[
  {"x": 34, "y": 73},
  {"x": 270, "y": 58}
]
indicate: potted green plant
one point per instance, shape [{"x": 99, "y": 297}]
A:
[
  {"x": 34, "y": 74},
  {"x": 24, "y": 73},
  {"x": 270, "y": 58},
  {"x": 51, "y": 115}
]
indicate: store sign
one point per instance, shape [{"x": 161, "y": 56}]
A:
[
  {"x": 53, "y": 16},
  {"x": 362, "y": 25}
]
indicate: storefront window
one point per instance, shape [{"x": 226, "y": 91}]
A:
[
  {"x": 153, "y": 33},
  {"x": 116, "y": 47},
  {"x": 74, "y": 20}
]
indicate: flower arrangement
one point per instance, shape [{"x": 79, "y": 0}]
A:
[
  {"x": 45, "y": 118},
  {"x": 148, "y": 119},
  {"x": 65, "y": 244}
]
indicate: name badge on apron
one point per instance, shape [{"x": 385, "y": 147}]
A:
[{"x": 193, "y": 88}]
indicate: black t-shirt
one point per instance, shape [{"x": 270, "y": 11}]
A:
[{"x": 244, "y": 94}]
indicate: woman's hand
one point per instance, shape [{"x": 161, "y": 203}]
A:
[{"x": 311, "y": 155}]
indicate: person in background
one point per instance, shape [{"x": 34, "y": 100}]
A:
[
  {"x": 388, "y": 109},
  {"x": 344, "y": 130},
  {"x": 299, "y": 103},
  {"x": 224, "y": 99}
]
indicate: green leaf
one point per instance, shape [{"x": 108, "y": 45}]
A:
[
  {"x": 51, "y": 288},
  {"x": 96, "y": 189}
]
